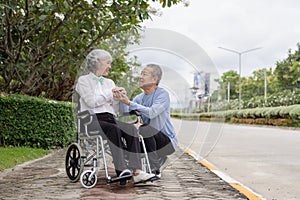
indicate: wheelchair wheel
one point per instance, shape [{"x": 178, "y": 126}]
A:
[
  {"x": 74, "y": 164},
  {"x": 87, "y": 181}
]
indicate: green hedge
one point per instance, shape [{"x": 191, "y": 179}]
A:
[
  {"x": 48, "y": 124},
  {"x": 283, "y": 112},
  {"x": 35, "y": 122}
]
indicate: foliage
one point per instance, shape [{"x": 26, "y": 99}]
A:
[
  {"x": 42, "y": 43},
  {"x": 281, "y": 86},
  {"x": 34, "y": 122},
  {"x": 231, "y": 79},
  {"x": 287, "y": 71},
  {"x": 283, "y": 98},
  {"x": 271, "y": 116},
  {"x": 129, "y": 81},
  {"x": 12, "y": 156}
]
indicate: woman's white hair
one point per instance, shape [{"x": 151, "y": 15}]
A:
[{"x": 96, "y": 56}]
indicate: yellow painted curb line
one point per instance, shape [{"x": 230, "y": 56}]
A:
[
  {"x": 251, "y": 195},
  {"x": 245, "y": 191},
  {"x": 207, "y": 164}
]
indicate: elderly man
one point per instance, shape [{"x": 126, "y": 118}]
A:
[{"x": 154, "y": 106}]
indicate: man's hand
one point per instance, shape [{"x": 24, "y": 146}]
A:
[
  {"x": 120, "y": 94},
  {"x": 120, "y": 89}
]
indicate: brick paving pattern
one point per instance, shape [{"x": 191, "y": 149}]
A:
[{"x": 182, "y": 178}]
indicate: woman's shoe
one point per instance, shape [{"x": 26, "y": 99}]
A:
[
  {"x": 142, "y": 177},
  {"x": 125, "y": 172}
]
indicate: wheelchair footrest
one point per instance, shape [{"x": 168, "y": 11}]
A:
[
  {"x": 118, "y": 179},
  {"x": 88, "y": 165}
]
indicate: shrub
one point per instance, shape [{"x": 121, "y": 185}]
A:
[
  {"x": 283, "y": 116},
  {"x": 35, "y": 122}
]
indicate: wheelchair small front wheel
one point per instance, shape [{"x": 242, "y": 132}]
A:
[
  {"x": 87, "y": 180},
  {"x": 74, "y": 164}
]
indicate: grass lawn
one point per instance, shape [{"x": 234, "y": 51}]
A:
[{"x": 11, "y": 156}]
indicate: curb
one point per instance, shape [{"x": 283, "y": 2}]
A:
[{"x": 250, "y": 194}]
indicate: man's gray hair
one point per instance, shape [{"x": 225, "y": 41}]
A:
[
  {"x": 156, "y": 71},
  {"x": 96, "y": 56}
]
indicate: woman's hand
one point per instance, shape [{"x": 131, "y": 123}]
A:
[
  {"x": 119, "y": 89},
  {"x": 120, "y": 94}
]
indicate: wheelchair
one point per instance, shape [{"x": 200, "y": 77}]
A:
[{"x": 91, "y": 149}]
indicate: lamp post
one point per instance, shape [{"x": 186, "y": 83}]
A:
[
  {"x": 265, "y": 86},
  {"x": 240, "y": 66},
  {"x": 228, "y": 91}
]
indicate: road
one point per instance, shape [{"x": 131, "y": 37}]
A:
[{"x": 265, "y": 159}]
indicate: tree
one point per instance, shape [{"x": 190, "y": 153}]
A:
[
  {"x": 287, "y": 71},
  {"x": 42, "y": 43},
  {"x": 255, "y": 84},
  {"x": 232, "y": 78}
]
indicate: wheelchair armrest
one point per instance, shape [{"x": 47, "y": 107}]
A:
[
  {"x": 132, "y": 112},
  {"x": 131, "y": 117},
  {"x": 135, "y": 112},
  {"x": 84, "y": 114},
  {"x": 88, "y": 123}
]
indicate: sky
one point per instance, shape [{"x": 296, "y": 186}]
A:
[{"x": 239, "y": 25}]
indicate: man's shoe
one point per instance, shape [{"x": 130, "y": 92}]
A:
[
  {"x": 157, "y": 174},
  {"x": 125, "y": 172},
  {"x": 142, "y": 177}
]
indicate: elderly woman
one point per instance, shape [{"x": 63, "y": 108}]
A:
[{"x": 95, "y": 91}]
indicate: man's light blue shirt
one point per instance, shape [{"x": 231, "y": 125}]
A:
[{"x": 155, "y": 111}]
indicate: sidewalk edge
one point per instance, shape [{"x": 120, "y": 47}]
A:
[
  {"x": 24, "y": 164},
  {"x": 249, "y": 193}
]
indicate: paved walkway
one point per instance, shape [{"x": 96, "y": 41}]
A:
[{"x": 183, "y": 178}]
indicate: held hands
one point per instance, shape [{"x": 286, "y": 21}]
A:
[
  {"x": 117, "y": 90},
  {"x": 119, "y": 94}
]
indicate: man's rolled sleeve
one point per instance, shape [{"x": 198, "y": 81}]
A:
[{"x": 133, "y": 106}]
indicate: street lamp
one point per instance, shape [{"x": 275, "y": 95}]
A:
[
  {"x": 240, "y": 63},
  {"x": 228, "y": 91},
  {"x": 265, "y": 86}
]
